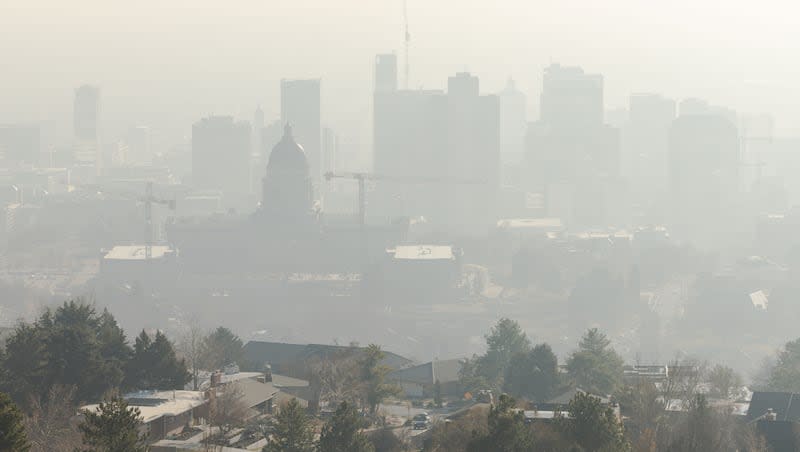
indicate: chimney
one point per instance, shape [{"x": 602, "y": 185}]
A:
[
  {"x": 268, "y": 373},
  {"x": 771, "y": 415},
  {"x": 216, "y": 379}
]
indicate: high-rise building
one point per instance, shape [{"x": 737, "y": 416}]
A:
[
  {"x": 571, "y": 99},
  {"x": 330, "y": 142},
  {"x": 645, "y": 162},
  {"x": 86, "y": 119},
  {"x": 221, "y": 154},
  {"x": 258, "y": 130},
  {"x": 386, "y": 72},
  {"x": 572, "y": 155},
  {"x": 513, "y": 124},
  {"x": 438, "y": 151},
  {"x": 300, "y": 107},
  {"x": 139, "y": 142},
  {"x": 20, "y": 143},
  {"x": 704, "y": 176},
  {"x": 256, "y": 142}
]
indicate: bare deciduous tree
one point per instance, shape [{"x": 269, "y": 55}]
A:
[
  {"x": 190, "y": 348},
  {"x": 50, "y": 424},
  {"x": 335, "y": 378},
  {"x": 228, "y": 409}
]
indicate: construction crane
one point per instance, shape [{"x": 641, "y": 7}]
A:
[
  {"x": 362, "y": 177},
  {"x": 407, "y": 42},
  {"x": 148, "y": 201}
]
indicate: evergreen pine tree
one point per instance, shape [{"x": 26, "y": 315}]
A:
[
  {"x": 293, "y": 430},
  {"x": 12, "y": 430},
  {"x": 342, "y": 433},
  {"x": 154, "y": 364},
  {"x": 507, "y": 430},
  {"x": 112, "y": 427}
]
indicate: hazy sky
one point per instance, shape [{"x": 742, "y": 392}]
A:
[{"x": 170, "y": 62}]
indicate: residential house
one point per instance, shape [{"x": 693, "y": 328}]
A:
[
  {"x": 165, "y": 412},
  {"x": 419, "y": 381}
]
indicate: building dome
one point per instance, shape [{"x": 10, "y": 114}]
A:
[{"x": 287, "y": 154}]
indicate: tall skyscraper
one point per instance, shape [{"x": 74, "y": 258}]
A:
[
  {"x": 300, "y": 107},
  {"x": 386, "y": 72},
  {"x": 256, "y": 143},
  {"x": 139, "y": 144},
  {"x": 704, "y": 176},
  {"x": 330, "y": 142},
  {"x": 439, "y": 150},
  {"x": 513, "y": 123},
  {"x": 86, "y": 118},
  {"x": 20, "y": 143},
  {"x": 258, "y": 130},
  {"x": 221, "y": 154},
  {"x": 645, "y": 162},
  {"x": 572, "y": 156},
  {"x": 571, "y": 98}
]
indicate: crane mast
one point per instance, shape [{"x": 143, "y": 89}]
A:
[
  {"x": 407, "y": 43},
  {"x": 148, "y": 201}
]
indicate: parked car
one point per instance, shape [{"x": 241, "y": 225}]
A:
[{"x": 421, "y": 421}]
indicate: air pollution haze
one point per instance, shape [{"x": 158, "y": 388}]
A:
[{"x": 397, "y": 225}]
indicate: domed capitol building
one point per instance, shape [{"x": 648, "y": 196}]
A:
[
  {"x": 288, "y": 232},
  {"x": 287, "y": 194}
]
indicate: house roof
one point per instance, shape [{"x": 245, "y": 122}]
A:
[
  {"x": 153, "y": 405},
  {"x": 280, "y": 355},
  {"x": 177, "y": 445},
  {"x": 785, "y": 405},
  {"x": 254, "y": 392},
  {"x": 444, "y": 371},
  {"x": 136, "y": 252},
  {"x": 781, "y": 436},
  {"x": 423, "y": 252},
  {"x": 282, "y": 381}
]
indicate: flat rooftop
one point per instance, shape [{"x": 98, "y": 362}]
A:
[
  {"x": 155, "y": 404},
  {"x": 530, "y": 223},
  {"x": 136, "y": 252},
  {"x": 423, "y": 252}
]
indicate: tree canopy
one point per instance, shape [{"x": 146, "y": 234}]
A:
[
  {"x": 112, "y": 427},
  {"x": 595, "y": 366},
  {"x": 12, "y": 429},
  {"x": 220, "y": 348},
  {"x": 293, "y": 430},
  {"x": 72, "y": 346},
  {"x": 154, "y": 364},
  {"x": 785, "y": 374},
  {"x": 507, "y": 430},
  {"x": 593, "y": 425},
  {"x": 373, "y": 378},
  {"x": 505, "y": 342},
  {"x": 534, "y": 374},
  {"x": 342, "y": 433}
]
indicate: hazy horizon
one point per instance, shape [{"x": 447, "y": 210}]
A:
[{"x": 168, "y": 63}]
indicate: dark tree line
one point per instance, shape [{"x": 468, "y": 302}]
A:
[
  {"x": 590, "y": 426},
  {"x": 294, "y": 431},
  {"x": 75, "y": 346},
  {"x": 512, "y": 365}
]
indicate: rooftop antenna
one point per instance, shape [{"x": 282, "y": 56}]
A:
[{"x": 407, "y": 42}]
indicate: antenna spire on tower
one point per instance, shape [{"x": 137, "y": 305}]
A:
[{"x": 407, "y": 42}]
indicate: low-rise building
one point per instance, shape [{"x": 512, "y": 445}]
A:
[
  {"x": 165, "y": 412},
  {"x": 420, "y": 381}
]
